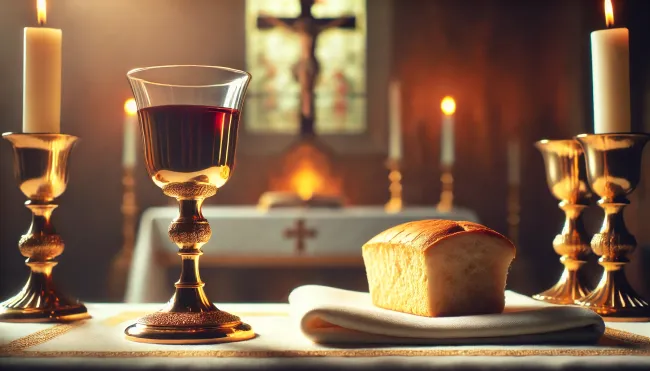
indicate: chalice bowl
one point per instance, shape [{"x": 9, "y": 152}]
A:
[
  {"x": 189, "y": 117},
  {"x": 614, "y": 170},
  {"x": 567, "y": 179}
]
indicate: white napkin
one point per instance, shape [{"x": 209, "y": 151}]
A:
[{"x": 332, "y": 316}]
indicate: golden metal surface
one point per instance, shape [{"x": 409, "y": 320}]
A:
[
  {"x": 395, "y": 203},
  {"x": 41, "y": 168},
  {"x": 613, "y": 170},
  {"x": 567, "y": 179},
  {"x": 447, "y": 194}
]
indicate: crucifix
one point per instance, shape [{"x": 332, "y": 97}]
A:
[
  {"x": 300, "y": 232},
  {"x": 306, "y": 69}
]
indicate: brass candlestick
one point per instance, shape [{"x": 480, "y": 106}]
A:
[
  {"x": 122, "y": 261},
  {"x": 446, "y": 202},
  {"x": 394, "y": 204},
  {"x": 513, "y": 217},
  {"x": 613, "y": 170},
  {"x": 41, "y": 167},
  {"x": 566, "y": 177}
]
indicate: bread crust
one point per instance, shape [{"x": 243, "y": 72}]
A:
[{"x": 425, "y": 234}]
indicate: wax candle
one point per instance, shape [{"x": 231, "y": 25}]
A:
[
  {"x": 514, "y": 167},
  {"x": 610, "y": 58},
  {"x": 448, "y": 106},
  {"x": 394, "y": 121},
  {"x": 42, "y": 77},
  {"x": 130, "y": 133}
]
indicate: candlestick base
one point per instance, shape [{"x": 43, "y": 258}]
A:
[
  {"x": 446, "y": 203},
  {"x": 395, "y": 203}
]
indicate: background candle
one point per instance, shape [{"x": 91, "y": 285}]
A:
[
  {"x": 394, "y": 121},
  {"x": 42, "y": 77},
  {"x": 514, "y": 167},
  {"x": 130, "y": 133},
  {"x": 448, "y": 106},
  {"x": 610, "y": 58}
]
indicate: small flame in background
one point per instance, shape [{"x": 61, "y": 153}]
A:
[
  {"x": 41, "y": 11},
  {"x": 306, "y": 180},
  {"x": 609, "y": 13},
  {"x": 448, "y": 105},
  {"x": 130, "y": 107}
]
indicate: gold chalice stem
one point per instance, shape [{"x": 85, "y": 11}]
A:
[
  {"x": 189, "y": 317},
  {"x": 573, "y": 246}
]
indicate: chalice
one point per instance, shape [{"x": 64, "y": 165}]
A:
[
  {"x": 189, "y": 117},
  {"x": 613, "y": 170},
  {"x": 567, "y": 179}
]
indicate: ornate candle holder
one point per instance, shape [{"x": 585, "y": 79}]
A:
[
  {"x": 41, "y": 167},
  {"x": 122, "y": 261},
  {"x": 566, "y": 177},
  {"x": 189, "y": 117},
  {"x": 446, "y": 202},
  {"x": 394, "y": 204},
  {"x": 613, "y": 170}
]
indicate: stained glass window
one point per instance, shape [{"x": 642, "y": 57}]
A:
[{"x": 273, "y": 100}]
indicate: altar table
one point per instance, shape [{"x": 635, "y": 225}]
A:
[
  {"x": 245, "y": 237},
  {"x": 99, "y": 343}
]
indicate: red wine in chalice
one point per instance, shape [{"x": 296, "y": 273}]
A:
[{"x": 181, "y": 140}]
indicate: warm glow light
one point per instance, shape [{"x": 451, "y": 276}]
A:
[
  {"x": 130, "y": 107},
  {"x": 609, "y": 13},
  {"x": 41, "y": 10},
  {"x": 448, "y": 105},
  {"x": 306, "y": 181}
]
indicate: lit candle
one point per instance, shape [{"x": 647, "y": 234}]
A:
[
  {"x": 448, "y": 106},
  {"x": 394, "y": 122},
  {"x": 130, "y": 133},
  {"x": 42, "y": 77},
  {"x": 514, "y": 167},
  {"x": 610, "y": 58}
]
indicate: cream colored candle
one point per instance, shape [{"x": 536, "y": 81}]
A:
[
  {"x": 447, "y": 145},
  {"x": 394, "y": 121},
  {"x": 42, "y": 77},
  {"x": 610, "y": 58},
  {"x": 130, "y": 133}
]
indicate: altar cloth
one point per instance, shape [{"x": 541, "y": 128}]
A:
[
  {"x": 99, "y": 343},
  {"x": 333, "y": 316}
]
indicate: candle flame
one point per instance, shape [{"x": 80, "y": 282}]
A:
[
  {"x": 448, "y": 105},
  {"x": 41, "y": 10},
  {"x": 609, "y": 13},
  {"x": 130, "y": 107}
]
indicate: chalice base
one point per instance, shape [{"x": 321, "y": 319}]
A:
[
  {"x": 615, "y": 300},
  {"x": 567, "y": 290},
  {"x": 40, "y": 301},
  {"x": 189, "y": 328}
]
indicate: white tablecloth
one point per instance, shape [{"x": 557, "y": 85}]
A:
[
  {"x": 99, "y": 343},
  {"x": 246, "y": 237}
]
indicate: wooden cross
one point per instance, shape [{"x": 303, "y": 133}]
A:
[
  {"x": 306, "y": 69},
  {"x": 300, "y": 232}
]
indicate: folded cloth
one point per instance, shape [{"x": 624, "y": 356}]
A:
[{"x": 333, "y": 316}]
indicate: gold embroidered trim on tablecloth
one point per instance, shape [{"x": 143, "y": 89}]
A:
[
  {"x": 39, "y": 337},
  {"x": 352, "y": 353}
]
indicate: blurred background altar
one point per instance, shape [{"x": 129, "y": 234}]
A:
[{"x": 519, "y": 72}]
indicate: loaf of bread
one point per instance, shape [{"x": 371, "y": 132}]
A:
[{"x": 438, "y": 268}]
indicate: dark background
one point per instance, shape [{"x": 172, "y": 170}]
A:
[{"x": 516, "y": 68}]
